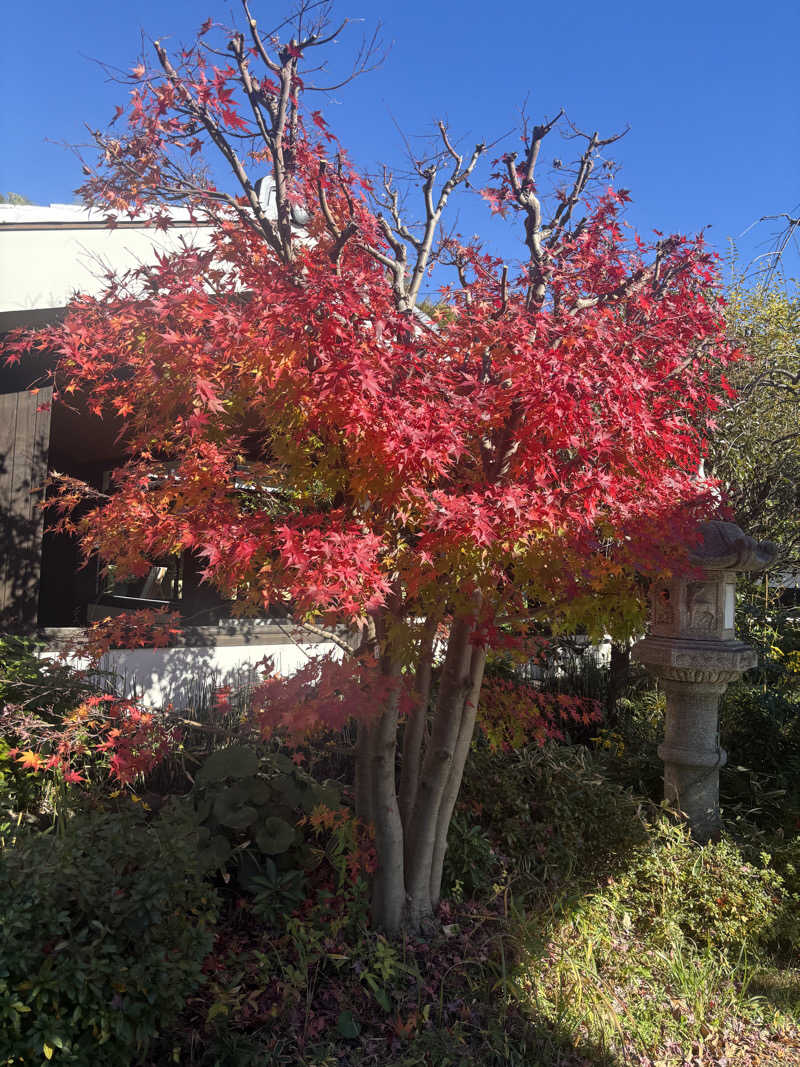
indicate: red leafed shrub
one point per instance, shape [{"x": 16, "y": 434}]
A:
[
  {"x": 104, "y": 734},
  {"x": 56, "y": 722},
  {"x": 512, "y": 714}
]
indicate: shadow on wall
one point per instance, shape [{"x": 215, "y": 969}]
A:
[
  {"x": 186, "y": 677},
  {"x": 20, "y": 550}
]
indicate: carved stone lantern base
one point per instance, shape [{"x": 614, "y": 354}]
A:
[
  {"x": 694, "y": 675},
  {"x": 692, "y": 754},
  {"x": 694, "y": 653}
]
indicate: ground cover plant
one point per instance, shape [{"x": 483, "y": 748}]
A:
[
  {"x": 579, "y": 924},
  {"x": 290, "y": 418}
]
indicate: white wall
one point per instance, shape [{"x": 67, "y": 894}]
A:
[
  {"x": 176, "y": 675},
  {"x": 221, "y": 655},
  {"x": 43, "y": 268}
]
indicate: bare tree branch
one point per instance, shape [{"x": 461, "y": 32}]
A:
[
  {"x": 202, "y": 114},
  {"x": 400, "y": 236}
]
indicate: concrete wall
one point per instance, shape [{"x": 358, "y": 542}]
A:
[
  {"x": 179, "y": 675},
  {"x": 48, "y": 254},
  {"x": 207, "y": 656}
]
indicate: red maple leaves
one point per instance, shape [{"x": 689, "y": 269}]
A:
[
  {"x": 103, "y": 734},
  {"x": 320, "y": 446}
]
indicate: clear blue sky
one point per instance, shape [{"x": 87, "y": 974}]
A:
[{"x": 710, "y": 89}]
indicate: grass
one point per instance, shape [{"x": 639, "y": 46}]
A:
[
  {"x": 651, "y": 950},
  {"x": 595, "y": 979}
]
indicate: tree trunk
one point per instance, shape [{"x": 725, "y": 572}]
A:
[
  {"x": 415, "y": 725},
  {"x": 364, "y": 784},
  {"x": 442, "y": 757},
  {"x": 453, "y": 786},
  {"x": 388, "y": 891},
  {"x": 411, "y": 828}
]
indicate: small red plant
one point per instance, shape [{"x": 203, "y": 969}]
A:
[{"x": 512, "y": 713}]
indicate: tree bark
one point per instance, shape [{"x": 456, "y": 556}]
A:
[
  {"x": 415, "y": 725},
  {"x": 364, "y": 786},
  {"x": 388, "y": 891},
  {"x": 453, "y": 786},
  {"x": 422, "y": 829},
  {"x": 411, "y": 823}
]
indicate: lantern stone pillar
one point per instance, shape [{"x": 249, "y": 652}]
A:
[{"x": 693, "y": 651}]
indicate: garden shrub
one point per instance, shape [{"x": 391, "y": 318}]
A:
[
  {"x": 785, "y": 859},
  {"x": 36, "y": 694},
  {"x": 104, "y": 929},
  {"x": 38, "y": 685},
  {"x": 628, "y": 752},
  {"x": 514, "y": 713},
  {"x": 761, "y": 728},
  {"x": 68, "y": 732},
  {"x": 675, "y": 889},
  {"x": 471, "y": 865},
  {"x": 250, "y": 808},
  {"x": 20, "y": 789},
  {"x": 550, "y": 812}
]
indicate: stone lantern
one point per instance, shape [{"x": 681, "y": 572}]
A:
[{"x": 693, "y": 651}]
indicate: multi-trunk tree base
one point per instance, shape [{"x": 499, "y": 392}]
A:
[{"x": 412, "y": 821}]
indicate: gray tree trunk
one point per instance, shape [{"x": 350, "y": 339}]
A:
[
  {"x": 456, "y": 775},
  {"x": 388, "y": 893},
  {"x": 411, "y": 823},
  {"x": 417, "y": 720}
]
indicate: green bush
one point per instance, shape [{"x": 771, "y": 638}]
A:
[
  {"x": 471, "y": 865},
  {"x": 20, "y": 790},
  {"x": 628, "y": 752},
  {"x": 249, "y": 808},
  {"x": 550, "y": 813},
  {"x": 104, "y": 929},
  {"x": 773, "y": 629},
  {"x": 761, "y": 728},
  {"x": 785, "y": 859},
  {"x": 711, "y": 895}
]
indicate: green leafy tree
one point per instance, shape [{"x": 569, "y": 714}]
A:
[{"x": 756, "y": 448}]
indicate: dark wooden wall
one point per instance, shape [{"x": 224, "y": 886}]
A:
[{"x": 24, "y": 443}]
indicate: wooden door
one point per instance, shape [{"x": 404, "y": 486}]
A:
[{"x": 24, "y": 442}]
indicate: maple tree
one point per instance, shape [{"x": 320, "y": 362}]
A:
[{"x": 434, "y": 482}]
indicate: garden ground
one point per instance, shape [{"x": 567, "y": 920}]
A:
[{"x": 213, "y": 909}]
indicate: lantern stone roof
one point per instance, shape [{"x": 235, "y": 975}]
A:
[{"x": 726, "y": 547}]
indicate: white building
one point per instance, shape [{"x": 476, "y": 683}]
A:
[{"x": 47, "y": 254}]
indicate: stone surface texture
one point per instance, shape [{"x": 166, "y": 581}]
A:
[{"x": 693, "y": 651}]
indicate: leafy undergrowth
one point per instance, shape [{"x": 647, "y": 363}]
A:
[
  {"x": 491, "y": 989},
  {"x": 647, "y": 994},
  {"x": 583, "y": 927},
  {"x": 316, "y": 997}
]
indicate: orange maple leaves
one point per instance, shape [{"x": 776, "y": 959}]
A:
[{"x": 103, "y": 734}]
